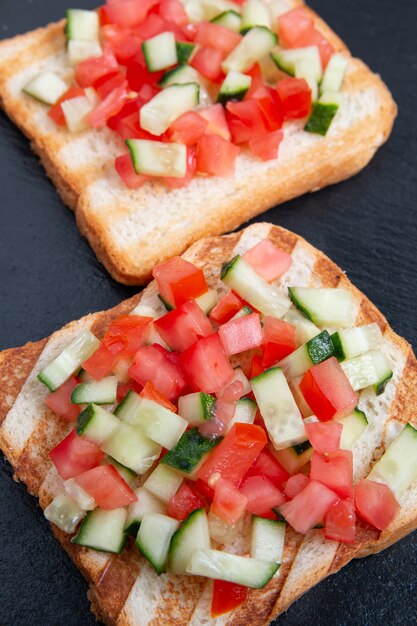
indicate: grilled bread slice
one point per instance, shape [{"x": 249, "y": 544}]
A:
[
  {"x": 123, "y": 589},
  {"x": 131, "y": 231}
]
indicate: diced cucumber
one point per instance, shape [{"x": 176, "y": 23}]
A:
[
  {"x": 196, "y": 408},
  {"x": 145, "y": 504},
  {"x": 295, "y": 457},
  {"x": 46, "y": 87},
  {"x": 103, "y": 530},
  {"x": 351, "y": 342},
  {"x": 383, "y": 371},
  {"x": 234, "y": 87},
  {"x": 189, "y": 451},
  {"x": 286, "y": 60},
  {"x": 245, "y": 412},
  {"x": 323, "y": 112},
  {"x": 154, "y": 538},
  {"x": 166, "y": 304},
  {"x": 232, "y": 568},
  {"x": 160, "y": 51},
  {"x": 64, "y": 513},
  {"x": 360, "y": 371},
  {"x": 159, "y": 424},
  {"x": 157, "y": 115},
  {"x": 278, "y": 8},
  {"x": 185, "y": 50},
  {"x": 231, "y": 20},
  {"x": 163, "y": 483},
  {"x": 128, "y": 407},
  {"x": 128, "y": 475},
  {"x": 212, "y": 8},
  {"x": 324, "y": 306},
  {"x": 132, "y": 448},
  {"x": 305, "y": 329},
  {"x": 193, "y": 534},
  {"x": 79, "y": 495},
  {"x": 96, "y": 424},
  {"x": 102, "y": 391},
  {"x": 354, "y": 425},
  {"x": 75, "y": 112},
  {"x": 278, "y": 408},
  {"x": 195, "y": 10},
  {"x": 267, "y": 539},
  {"x": 240, "y": 276},
  {"x": 397, "y": 468},
  {"x": 82, "y": 25},
  {"x": 254, "y": 13},
  {"x": 314, "y": 351},
  {"x": 245, "y": 310},
  {"x": 154, "y": 158},
  {"x": 306, "y": 68},
  {"x": 69, "y": 360},
  {"x": 294, "y": 385},
  {"x": 257, "y": 42},
  {"x": 207, "y": 301},
  {"x": 79, "y": 50},
  {"x": 180, "y": 75},
  {"x": 334, "y": 73}
]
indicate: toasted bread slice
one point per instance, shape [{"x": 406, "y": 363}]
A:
[
  {"x": 131, "y": 231},
  {"x": 124, "y": 590}
]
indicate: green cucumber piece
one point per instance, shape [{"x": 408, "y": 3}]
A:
[
  {"x": 96, "y": 424},
  {"x": 257, "y": 43},
  {"x": 128, "y": 475},
  {"x": 196, "y": 408},
  {"x": 315, "y": 351},
  {"x": 245, "y": 412},
  {"x": 46, "y": 87},
  {"x": 212, "y": 8},
  {"x": 267, "y": 539},
  {"x": 334, "y": 73},
  {"x": 246, "y": 310},
  {"x": 306, "y": 68},
  {"x": 75, "y": 112},
  {"x": 102, "y": 391},
  {"x": 360, "y": 371},
  {"x": 78, "y": 51},
  {"x": 321, "y": 117},
  {"x": 103, "y": 531},
  {"x": 189, "y": 451},
  {"x": 207, "y": 301},
  {"x": 354, "y": 425},
  {"x": 351, "y": 342},
  {"x": 158, "y": 423},
  {"x": 193, "y": 534},
  {"x": 64, "y": 512},
  {"x": 234, "y": 87},
  {"x": 163, "y": 483},
  {"x": 166, "y": 304},
  {"x": 145, "y": 504},
  {"x": 185, "y": 51},
  {"x": 157, "y": 115},
  {"x": 254, "y": 13},
  {"x": 383, "y": 371},
  {"x": 82, "y": 25},
  {"x": 154, "y": 158},
  {"x": 293, "y": 459},
  {"x": 154, "y": 538},
  {"x": 231, "y": 20},
  {"x": 69, "y": 360},
  {"x": 160, "y": 51},
  {"x": 324, "y": 306},
  {"x": 131, "y": 448},
  {"x": 181, "y": 75},
  {"x": 305, "y": 329},
  {"x": 128, "y": 407},
  {"x": 286, "y": 60}
]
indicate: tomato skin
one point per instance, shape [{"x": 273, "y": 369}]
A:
[
  {"x": 59, "y": 401},
  {"x": 216, "y": 156},
  {"x": 153, "y": 363},
  {"x": 327, "y": 391},
  {"x": 150, "y": 392},
  {"x": 295, "y": 484},
  {"x": 295, "y": 95},
  {"x": 266, "y": 148},
  {"x": 335, "y": 470},
  {"x": 100, "y": 363},
  {"x": 244, "y": 333},
  {"x": 262, "y": 495},
  {"x": 214, "y": 36},
  {"x": 188, "y": 128},
  {"x": 309, "y": 507},
  {"x": 228, "y": 503},
  {"x": 56, "y": 113},
  {"x": 178, "y": 280},
  {"x": 184, "y": 502},
  {"x": 205, "y": 365},
  {"x": 339, "y": 523},
  {"x": 75, "y": 455},
  {"x": 375, "y": 503},
  {"x": 107, "y": 487},
  {"x": 226, "y": 597},
  {"x": 235, "y": 454},
  {"x": 131, "y": 330},
  {"x": 226, "y": 308},
  {"x": 124, "y": 167},
  {"x": 267, "y": 465},
  {"x": 269, "y": 261},
  {"x": 110, "y": 106},
  {"x": 292, "y": 26},
  {"x": 256, "y": 367},
  {"x": 324, "y": 436},
  {"x": 278, "y": 341},
  {"x": 208, "y": 62},
  {"x": 183, "y": 326}
]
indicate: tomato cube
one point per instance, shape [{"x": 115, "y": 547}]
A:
[
  {"x": 173, "y": 11},
  {"x": 262, "y": 496},
  {"x": 295, "y": 95},
  {"x": 292, "y": 26},
  {"x": 183, "y": 326},
  {"x": 206, "y": 366},
  {"x": 188, "y": 128},
  {"x": 150, "y": 392},
  {"x": 75, "y": 455},
  {"x": 89, "y": 71},
  {"x": 56, "y": 113},
  {"x": 267, "y": 465},
  {"x": 107, "y": 487},
  {"x": 59, "y": 401},
  {"x": 108, "y": 107},
  {"x": 269, "y": 261},
  {"x": 217, "y": 122},
  {"x": 295, "y": 484},
  {"x": 241, "y": 334},
  {"x": 129, "y": 12},
  {"x": 309, "y": 507},
  {"x": 324, "y": 436},
  {"x": 334, "y": 469},
  {"x": 216, "y": 156},
  {"x": 178, "y": 281},
  {"x": 375, "y": 503},
  {"x": 208, "y": 62},
  {"x": 256, "y": 366},
  {"x": 107, "y": 83},
  {"x": 339, "y": 523},
  {"x": 226, "y": 308},
  {"x": 245, "y": 120},
  {"x": 278, "y": 341},
  {"x": 226, "y": 597},
  {"x": 215, "y": 36},
  {"x": 124, "y": 167},
  {"x": 184, "y": 502},
  {"x": 154, "y": 364},
  {"x": 228, "y": 503},
  {"x": 266, "y": 147}
]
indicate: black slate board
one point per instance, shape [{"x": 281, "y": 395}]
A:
[{"x": 50, "y": 276}]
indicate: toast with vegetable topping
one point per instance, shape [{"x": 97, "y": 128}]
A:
[
  {"x": 150, "y": 164},
  {"x": 375, "y": 414}
]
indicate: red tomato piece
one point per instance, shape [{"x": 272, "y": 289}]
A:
[
  {"x": 208, "y": 62},
  {"x": 327, "y": 391},
  {"x": 104, "y": 18},
  {"x": 152, "y": 364},
  {"x": 124, "y": 167},
  {"x": 262, "y": 496},
  {"x": 56, "y": 113},
  {"x": 179, "y": 280},
  {"x": 256, "y": 367},
  {"x": 123, "y": 42},
  {"x": 271, "y": 108},
  {"x": 123, "y": 388},
  {"x": 216, "y": 156},
  {"x": 257, "y": 81},
  {"x": 295, "y": 484},
  {"x": 308, "y": 508},
  {"x": 324, "y": 436},
  {"x": 183, "y": 326},
  {"x": 59, "y": 401},
  {"x": 278, "y": 342},
  {"x": 217, "y": 122},
  {"x": 294, "y": 385},
  {"x": 107, "y": 83},
  {"x": 334, "y": 469},
  {"x": 375, "y": 503},
  {"x": 108, "y": 107},
  {"x": 129, "y": 12},
  {"x": 206, "y": 366},
  {"x": 75, "y": 455},
  {"x": 89, "y": 71},
  {"x": 150, "y": 392},
  {"x": 132, "y": 106},
  {"x": 268, "y": 260},
  {"x": 295, "y": 95},
  {"x": 188, "y": 128},
  {"x": 177, "y": 183},
  {"x": 137, "y": 74},
  {"x": 184, "y": 502},
  {"x": 204, "y": 490},
  {"x": 235, "y": 454},
  {"x": 245, "y": 120},
  {"x": 292, "y": 26},
  {"x": 226, "y": 597},
  {"x": 266, "y": 147},
  {"x": 173, "y": 11},
  {"x": 107, "y": 487},
  {"x": 228, "y": 503},
  {"x": 267, "y": 465},
  {"x": 226, "y": 308},
  {"x": 339, "y": 523},
  {"x": 315, "y": 38},
  {"x": 100, "y": 363},
  {"x": 132, "y": 331},
  {"x": 241, "y": 334},
  {"x": 214, "y": 36}
]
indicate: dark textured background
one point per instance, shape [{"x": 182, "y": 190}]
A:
[{"x": 50, "y": 276}]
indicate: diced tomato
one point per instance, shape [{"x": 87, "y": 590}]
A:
[
  {"x": 183, "y": 326},
  {"x": 177, "y": 183},
  {"x": 226, "y": 597},
  {"x": 75, "y": 455},
  {"x": 271, "y": 108},
  {"x": 309, "y": 507},
  {"x": 107, "y": 83},
  {"x": 315, "y": 38},
  {"x": 188, "y": 128},
  {"x": 262, "y": 495},
  {"x": 137, "y": 74},
  {"x": 334, "y": 469},
  {"x": 123, "y": 388},
  {"x": 184, "y": 502},
  {"x": 131, "y": 330},
  {"x": 204, "y": 490},
  {"x": 59, "y": 401},
  {"x": 152, "y": 26},
  {"x": 295, "y": 95},
  {"x": 216, "y": 156},
  {"x": 375, "y": 503},
  {"x": 235, "y": 454},
  {"x": 100, "y": 363},
  {"x": 292, "y": 461},
  {"x": 89, "y": 71},
  {"x": 217, "y": 122},
  {"x": 132, "y": 106},
  {"x": 266, "y": 147},
  {"x": 292, "y": 26},
  {"x": 56, "y": 113},
  {"x": 256, "y": 367},
  {"x": 150, "y": 392},
  {"x": 269, "y": 261},
  {"x": 214, "y": 36},
  {"x": 107, "y": 487},
  {"x": 278, "y": 341},
  {"x": 124, "y": 167},
  {"x": 108, "y": 107},
  {"x": 208, "y": 62},
  {"x": 339, "y": 523},
  {"x": 241, "y": 334},
  {"x": 324, "y": 436},
  {"x": 228, "y": 503},
  {"x": 205, "y": 365},
  {"x": 173, "y": 11},
  {"x": 129, "y": 12},
  {"x": 123, "y": 42},
  {"x": 226, "y": 308},
  {"x": 257, "y": 81},
  {"x": 152, "y": 363},
  {"x": 328, "y": 391},
  {"x": 267, "y": 465},
  {"x": 295, "y": 484},
  {"x": 104, "y": 18},
  {"x": 245, "y": 120},
  {"x": 179, "y": 280}
]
